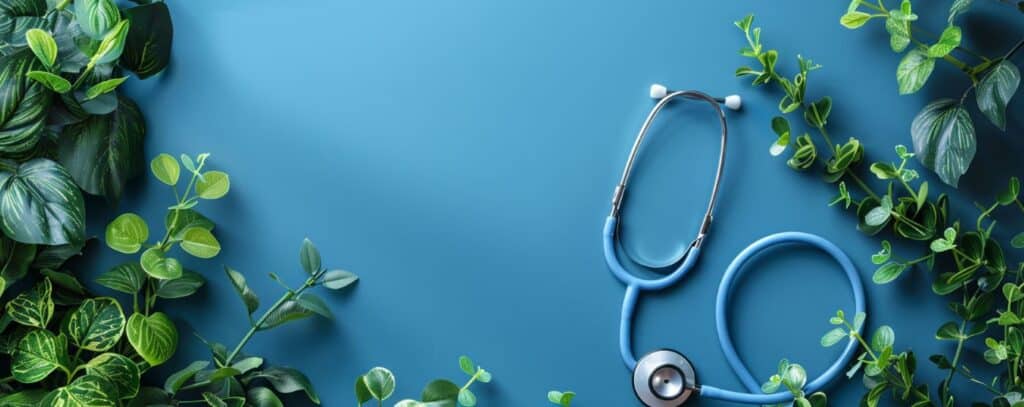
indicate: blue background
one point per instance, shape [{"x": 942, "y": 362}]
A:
[{"x": 460, "y": 156}]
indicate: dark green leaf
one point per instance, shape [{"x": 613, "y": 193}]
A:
[
  {"x": 440, "y": 390},
  {"x": 817, "y": 113},
  {"x": 96, "y": 324},
  {"x": 944, "y": 141},
  {"x": 103, "y": 153},
  {"x": 37, "y": 355},
  {"x": 18, "y": 16},
  {"x": 995, "y": 91},
  {"x": 313, "y": 303},
  {"x": 309, "y": 257},
  {"x": 179, "y": 378},
  {"x": 362, "y": 393},
  {"x": 1018, "y": 241},
  {"x": 288, "y": 380},
  {"x": 289, "y": 311},
  {"x": 949, "y": 331},
  {"x": 40, "y": 204},
  {"x": 127, "y": 278},
  {"x": 33, "y": 307},
  {"x": 252, "y": 302},
  {"x": 262, "y": 397},
  {"x": 16, "y": 257},
  {"x": 181, "y": 287},
  {"x": 147, "y": 49},
  {"x": 96, "y": 17}
]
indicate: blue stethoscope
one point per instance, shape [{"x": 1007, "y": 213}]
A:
[{"x": 666, "y": 378}]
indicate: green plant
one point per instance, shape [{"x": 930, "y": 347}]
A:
[
  {"x": 966, "y": 258},
  {"x": 64, "y": 127},
  {"x": 793, "y": 377},
  {"x": 379, "y": 384},
  {"x": 236, "y": 379},
  {"x": 560, "y": 398},
  {"x": 943, "y": 132}
]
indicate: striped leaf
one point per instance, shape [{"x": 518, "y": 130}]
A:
[
  {"x": 154, "y": 337},
  {"x": 87, "y": 391},
  {"x": 96, "y": 325},
  {"x": 96, "y": 17},
  {"x": 39, "y": 353},
  {"x": 127, "y": 278},
  {"x": 27, "y": 398},
  {"x": 104, "y": 152},
  {"x": 943, "y": 135},
  {"x": 147, "y": 49},
  {"x": 120, "y": 371},
  {"x": 23, "y": 104},
  {"x": 33, "y": 307},
  {"x": 40, "y": 203},
  {"x": 19, "y": 16}
]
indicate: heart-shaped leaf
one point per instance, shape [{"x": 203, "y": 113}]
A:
[
  {"x": 120, "y": 371},
  {"x": 380, "y": 382},
  {"x": 104, "y": 152},
  {"x": 213, "y": 185},
  {"x": 40, "y": 204},
  {"x": 33, "y": 307},
  {"x": 913, "y": 71},
  {"x": 147, "y": 49},
  {"x": 995, "y": 91},
  {"x": 199, "y": 242},
  {"x": 178, "y": 221},
  {"x": 37, "y": 355},
  {"x": 165, "y": 168},
  {"x": 154, "y": 337},
  {"x": 126, "y": 233},
  {"x": 96, "y": 324},
  {"x": 944, "y": 141},
  {"x": 158, "y": 266},
  {"x": 181, "y": 287},
  {"x": 127, "y": 278}
]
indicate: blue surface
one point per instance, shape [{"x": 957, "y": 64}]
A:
[{"x": 460, "y": 156}]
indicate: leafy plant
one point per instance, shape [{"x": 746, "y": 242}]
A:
[
  {"x": 793, "y": 377},
  {"x": 943, "y": 132},
  {"x": 967, "y": 259},
  {"x": 64, "y": 127},
  {"x": 232, "y": 378},
  {"x": 560, "y": 398}
]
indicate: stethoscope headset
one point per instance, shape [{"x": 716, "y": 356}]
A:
[{"x": 666, "y": 378}]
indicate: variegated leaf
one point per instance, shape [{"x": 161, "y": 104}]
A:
[
  {"x": 103, "y": 153},
  {"x": 39, "y": 353},
  {"x": 19, "y": 16},
  {"x": 120, "y": 371},
  {"x": 40, "y": 203},
  {"x": 96, "y": 17},
  {"x": 154, "y": 337},
  {"x": 127, "y": 278},
  {"x": 33, "y": 307},
  {"x": 23, "y": 104},
  {"x": 96, "y": 325},
  {"x": 147, "y": 49},
  {"x": 86, "y": 391}
]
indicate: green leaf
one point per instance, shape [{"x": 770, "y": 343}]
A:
[
  {"x": 879, "y": 215},
  {"x": 339, "y": 279},
  {"x": 213, "y": 400},
  {"x": 380, "y": 382},
  {"x": 252, "y": 302},
  {"x": 17, "y": 258},
  {"x": 262, "y": 396},
  {"x": 112, "y": 45},
  {"x": 884, "y": 337},
  {"x": 817, "y": 113},
  {"x": 165, "y": 168},
  {"x": 96, "y": 17},
  {"x": 24, "y": 103},
  {"x": 40, "y": 204},
  {"x": 149, "y": 397},
  {"x": 858, "y": 321},
  {"x": 147, "y": 49},
  {"x": 87, "y": 391},
  {"x": 883, "y": 255},
  {"x": 127, "y": 233},
  {"x": 154, "y": 337},
  {"x": 178, "y": 221},
  {"x": 949, "y": 331},
  {"x": 199, "y": 242},
  {"x": 96, "y": 324},
  {"x": 888, "y": 272},
  {"x": 104, "y": 87},
  {"x": 247, "y": 364},
  {"x": 948, "y": 41},
  {"x": 213, "y": 185},
  {"x": 33, "y": 307},
  {"x": 885, "y": 171},
  {"x": 944, "y": 139},
  {"x": 37, "y": 355},
  {"x": 289, "y": 311},
  {"x": 467, "y": 365},
  {"x": 440, "y": 391},
  {"x": 1009, "y": 196},
  {"x": 958, "y": 7},
  {"x": 362, "y": 393},
  {"x": 833, "y": 337},
  {"x": 899, "y": 34},
  {"x": 43, "y": 45},
  {"x": 804, "y": 154},
  {"x": 563, "y": 399},
  {"x": 179, "y": 378},
  {"x": 287, "y": 380},
  {"x": 26, "y": 398},
  {"x": 120, "y": 371},
  {"x": 181, "y": 287},
  {"x": 467, "y": 398},
  {"x": 1018, "y": 241},
  {"x": 854, "y": 19},
  {"x": 309, "y": 257},
  {"x": 795, "y": 377},
  {"x": 313, "y": 303},
  {"x": 127, "y": 278},
  {"x": 913, "y": 71},
  {"x": 995, "y": 91},
  {"x": 103, "y": 153},
  {"x": 158, "y": 266}
]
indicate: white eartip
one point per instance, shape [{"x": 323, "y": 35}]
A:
[
  {"x": 733, "y": 102},
  {"x": 658, "y": 91}
]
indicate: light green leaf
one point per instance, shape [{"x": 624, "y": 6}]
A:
[
  {"x": 958, "y": 7},
  {"x": 127, "y": 233},
  {"x": 154, "y": 337},
  {"x": 888, "y": 272},
  {"x": 103, "y": 152},
  {"x": 40, "y": 204},
  {"x": 467, "y": 365},
  {"x": 944, "y": 141},
  {"x": 247, "y": 364},
  {"x": 884, "y": 337},
  {"x": 949, "y": 332},
  {"x": 147, "y": 49},
  {"x": 127, "y": 278},
  {"x": 467, "y": 398},
  {"x": 854, "y": 19},
  {"x": 262, "y": 397},
  {"x": 33, "y": 307},
  {"x": 26, "y": 398},
  {"x": 313, "y": 303},
  {"x": 179, "y": 378},
  {"x": 795, "y": 377},
  {"x": 96, "y": 17},
  {"x": 899, "y": 34},
  {"x": 106, "y": 86},
  {"x": 87, "y": 391},
  {"x": 158, "y": 266},
  {"x": 286, "y": 380},
  {"x": 883, "y": 255},
  {"x": 252, "y": 302},
  {"x": 913, "y": 71},
  {"x": 213, "y": 185},
  {"x": 37, "y": 355},
  {"x": 178, "y": 221},
  {"x": 995, "y": 91},
  {"x": 338, "y": 279},
  {"x": 948, "y": 41},
  {"x": 54, "y": 82},
  {"x": 181, "y": 287},
  {"x": 309, "y": 257},
  {"x": 43, "y": 45},
  {"x": 96, "y": 324},
  {"x": 112, "y": 45},
  {"x": 858, "y": 321},
  {"x": 165, "y": 168},
  {"x": 199, "y": 242},
  {"x": 833, "y": 337},
  {"x": 120, "y": 371}
]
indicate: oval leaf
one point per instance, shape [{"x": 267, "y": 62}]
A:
[
  {"x": 87, "y": 391},
  {"x": 380, "y": 382},
  {"x": 944, "y": 141},
  {"x": 995, "y": 91},
  {"x": 338, "y": 279},
  {"x": 104, "y": 87},
  {"x": 102, "y": 153},
  {"x": 252, "y": 302},
  {"x": 127, "y": 278},
  {"x": 181, "y": 287},
  {"x": 120, "y": 371},
  {"x": 43, "y": 45},
  {"x": 147, "y": 49},
  {"x": 287, "y": 380},
  {"x": 127, "y": 233},
  {"x": 913, "y": 71},
  {"x": 96, "y": 17},
  {"x": 213, "y": 185},
  {"x": 55, "y": 83},
  {"x": 37, "y": 355},
  {"x": 24, "y": 103},
  {"x": 158, "y": 266},
  {"x": 199, "y": 242},
  {"x": 40, "y": 204},
  {"x": 33, "y": 307},
  {"x": 154, "y": 337},
  {"x": 166, "y": 169},
  {"x": 96, "y": 324}
]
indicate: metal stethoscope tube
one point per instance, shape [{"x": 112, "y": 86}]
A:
[{"x": 665, "y": 377}]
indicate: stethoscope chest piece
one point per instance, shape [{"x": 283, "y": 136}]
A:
[{"x": 664, "y": 378}]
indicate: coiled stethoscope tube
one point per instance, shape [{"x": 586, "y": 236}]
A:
[{"x": 665, "y": 378}]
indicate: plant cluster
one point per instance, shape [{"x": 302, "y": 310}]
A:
[
  {"x": 966, "y": 259},
  {"x": 793, "y": 377},
  {"x": 943, "y": 132}
]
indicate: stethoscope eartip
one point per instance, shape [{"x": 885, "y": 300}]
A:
[
  {"x": 734, "y": 102},
  {"x": 658, "y": 91}
]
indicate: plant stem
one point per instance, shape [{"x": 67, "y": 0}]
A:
[
  {"x": 81, "y": 78},
  {"x": 311, "y": 281}
]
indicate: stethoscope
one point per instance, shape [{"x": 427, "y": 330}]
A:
[{"x": 666, "y": 378}]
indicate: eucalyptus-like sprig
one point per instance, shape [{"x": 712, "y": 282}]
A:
[{"x": 794, "y": 377}]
